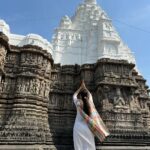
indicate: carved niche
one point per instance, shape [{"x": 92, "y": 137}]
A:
[{"x": 103, "y": 95}]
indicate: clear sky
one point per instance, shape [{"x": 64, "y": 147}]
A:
[{"x": 130, "y": 17}]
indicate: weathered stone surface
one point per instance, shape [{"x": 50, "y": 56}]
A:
[{"x": 36, "y": 106}]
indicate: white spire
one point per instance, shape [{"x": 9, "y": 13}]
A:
[
  {"x": 90, "y": 1},
  {"x": 88, "y": 36}
]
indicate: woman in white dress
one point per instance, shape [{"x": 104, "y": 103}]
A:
[
  {"x": 82, "y": 135},
  {"x": 85, "y": 128}
]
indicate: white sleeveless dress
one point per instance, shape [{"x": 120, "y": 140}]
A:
[{"x": 82, "y": 135}]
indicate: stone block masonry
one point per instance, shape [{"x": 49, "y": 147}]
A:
[{"x": 36, "y": 109}]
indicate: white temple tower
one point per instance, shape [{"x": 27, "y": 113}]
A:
[
  {"x": 88, "y": 36},
  {"x": 84, "y": 38}
]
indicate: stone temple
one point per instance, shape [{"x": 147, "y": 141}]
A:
[{"x": 38, "y": 79}]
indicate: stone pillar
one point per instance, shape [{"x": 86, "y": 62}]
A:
[
  {"x": 4, "y": 47},
  {"x": 28, "y": 123}
]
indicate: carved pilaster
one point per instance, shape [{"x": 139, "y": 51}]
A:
[{"x": 27, "y": 120}]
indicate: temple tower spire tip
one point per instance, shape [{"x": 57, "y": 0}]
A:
[{"x": 90, "y": 1}]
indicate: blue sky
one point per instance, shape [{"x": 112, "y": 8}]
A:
[{"x": 130, "y": 17}]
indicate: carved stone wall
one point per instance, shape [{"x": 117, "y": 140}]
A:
[
  {"x": 24, "y": 96},
  {"x": 36, "y": 104},
  {"x": 118, "y": 96}
]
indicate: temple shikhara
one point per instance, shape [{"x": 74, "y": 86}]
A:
[{"x": 38, "y": 79}]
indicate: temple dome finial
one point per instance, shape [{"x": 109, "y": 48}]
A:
[{"x": 90, "y": 1}]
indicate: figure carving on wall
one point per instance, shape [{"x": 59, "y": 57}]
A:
[
  {"x": 27, "y": 59},
  {"x": 134, "y": 104},
  {"x": 47, "y": 89},
  {"x": 119, "y": 102},
  {"x": 44, "y": 63},
  {"x": 42, "y": 85},
  {"x": 40, "y": 59},
  {"x": 27, "y": 86},
  {"x": 34, "y": 86},
  {"x": 23, "y": 85},
  {"x": 143, "y": 104},
  {"x": 107, "y": 106},
  {"x": 48, "y": 68},
  {"x": 37, "y": 86},
  {"x": 18, "y": 86},
  {"x": 52, "y": 99},
  {"x": 4, "y": 84},
  {"x": 104, "y": 99},
  {"x": 2, "y": 57},
  {"x": 7, "y": 86},
  {"x": 32, "y": 57}
]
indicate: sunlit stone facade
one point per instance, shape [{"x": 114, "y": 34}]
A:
[{"x": 36, "y": 108}]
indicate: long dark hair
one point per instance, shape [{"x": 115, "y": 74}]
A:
[{"x": 85, "y": 97}]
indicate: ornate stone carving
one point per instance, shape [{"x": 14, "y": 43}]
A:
[
  {"x": 134, "y": 102},
  {"x": 39, "y": 97},
  {"x": 119, "y": 102},
  {"x": 2, "y": 56}
]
